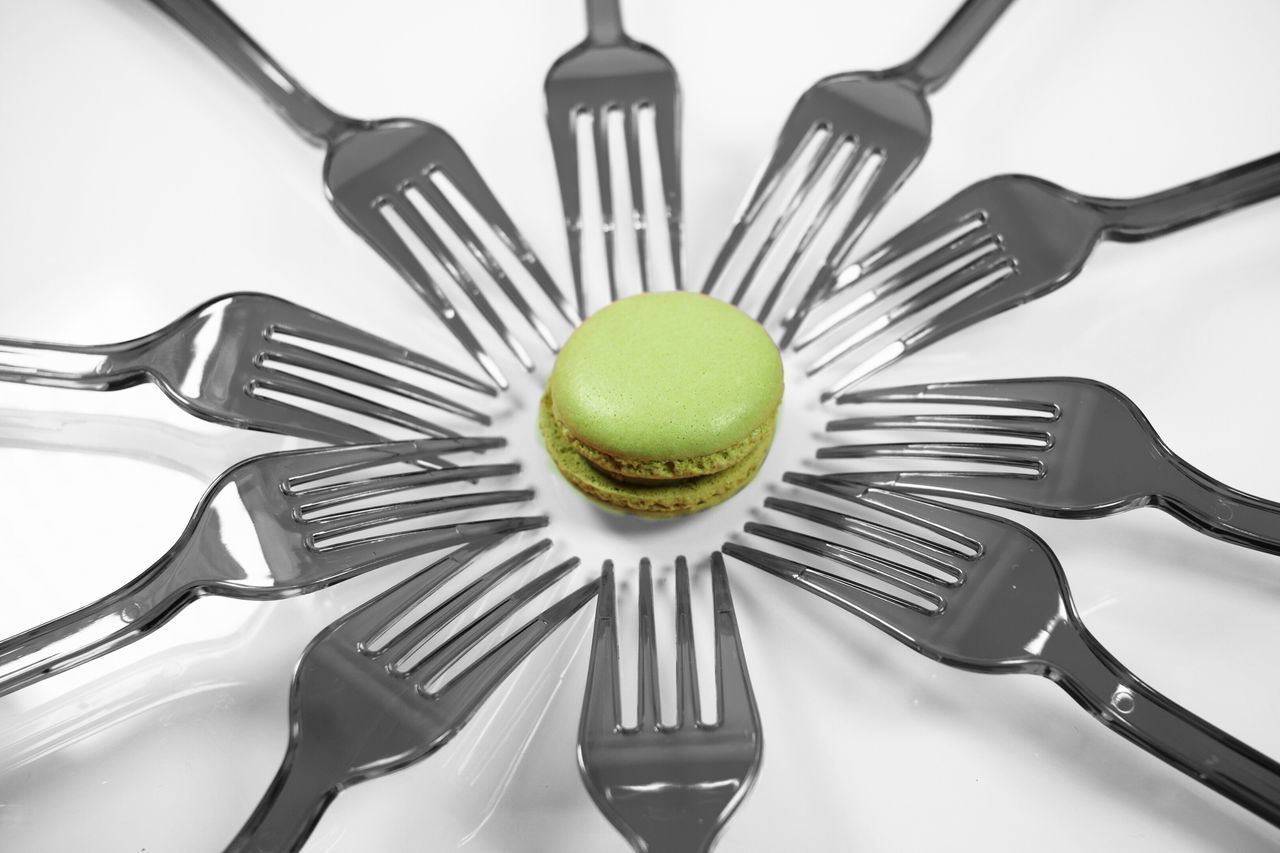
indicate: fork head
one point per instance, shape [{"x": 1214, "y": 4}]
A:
[
  {"x": 223, "y": 361},
  {"x": 324, "y": 515},
  {"x": 379, "y": 168},
  {"x": 593, "y": 80},
  {"x": 875, "y": 127},
  {"x": 661, "y": 785},
  {"x": 963, "y": 587},
  {"x": 1070, "y": 448},
  {"x": 1000, "y": 242},
  {"x": 361, "y": 702}
]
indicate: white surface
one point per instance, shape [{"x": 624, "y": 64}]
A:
[{"x": 140, "y": 178}]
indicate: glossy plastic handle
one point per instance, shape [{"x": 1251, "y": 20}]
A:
[
  {"x": 1141, "y": 715},
  {"x": 292, "y": 805},
  {"x": 220, "y": 34},
  {"x": 1221, "y": 511},
  {"x": 93, "y": 368},
  {"x": 604, "y": 22},
  {"x": 1163, "y": 212},
  {"x": 933, "y": 66}
]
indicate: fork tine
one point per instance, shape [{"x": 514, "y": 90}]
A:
[
  {"x": 306, "y": 466},
  {"x": 896, "y": 616},
  {"x": 1007, "y": 489},
  {"x": 639, "y": 219},
  {"x": 1002, "y": 425},
  {"x": 666, "y": 120},
  {"x": 688, "y": 702},
  {"x": 602, "y": 703},
  {"x": 445, "y": 257},
  {"x": 848, "y": 173},
  {"x": 376, "y": 551},
  {"x": 353, "y": 521},
  {"x": 966, "y": 276},
  {"x": 336, "y": 494},
  {"x": 821, "y": 161},
  {"x": 452, "y": 218},
  {"x": 474, "y": 685},
  {"x": 320, "y": 329},
  {"x": 452, "y": 650},
  {"x": 1020, "y": 455},
  {"x": 312, "y": 391},
  {"x": 460, "y": 172},
  {"x": 1000, "y": 393},
  {"x": 409, "y": 639},
  {"x": 786, "y": 151},
  {"x": 321, "y": 363},
  {"x": 947, "y": 521},
  {"x": 313, "y": 425},
  {"x": 899, "y": 575},
  {"x": 363, "y": 624},
  {"x": 649, "y": 704},
  {"x": 930, "y": 264},
  {"x": 735, "y": 700},
  {"x": 378, "y": 232},
  {"x": 562, "y": 125},
  {"x": 600, "y": 127}
]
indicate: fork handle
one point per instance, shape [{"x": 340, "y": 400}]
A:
[
  {"x": 145, "y": 603},
  {"x": 213, "y": 28},
  {"x": 1131, "y": 709},
  {"x": 93, "y": 368},
  {"x": 1131, "y": 220},
  {"x": 933, "y": 66},
  {"x": 1211, "y": 507},
  {"x": 604, "y": 22},
  {"x": 293, "y": 804}
]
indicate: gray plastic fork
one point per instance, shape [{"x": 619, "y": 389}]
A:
[
  {"x": 314, "y": 526},
  {"x": 217, "y": 361},
  {"x": 882, "y": 114},
  {"x": 360, "y": 707},
  {"x": 995, "y": 600},
  {"x": 1073, "y": 448},
  {"x": 370, "y": 165},
  {"x": 669, "y": 789},
  {"x": 611, "y": 71},
  {"x": 1008, "y": 240}
]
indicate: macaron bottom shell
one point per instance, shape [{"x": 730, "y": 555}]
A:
[{"x": 655, "y": 499}]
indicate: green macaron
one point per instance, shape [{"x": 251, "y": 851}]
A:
[{"x": 663, "y": 402}]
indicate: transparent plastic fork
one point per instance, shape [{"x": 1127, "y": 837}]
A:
[
  {"x": 669, "y": 788},
  {"x": 982, "y": 593},
  {"x": 374, "y": 168},
  {"x": 884, "y": 117},
  {"x": 315, "y": 523},
  {"x": 231, "y": 361},
  {"x": 1000, "y": 243},
  {"x": 1066, "y": 447},
  {"x": 360, "y": 706},
  {"x": 606, "y": 72}
]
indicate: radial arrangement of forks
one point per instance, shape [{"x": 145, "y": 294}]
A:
[{"x": 408, "y": 483}]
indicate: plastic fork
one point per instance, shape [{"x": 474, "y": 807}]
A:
[
  {"x": 222, "y": 361},
  {"x": 370, "y": 169},
  {"x": 669, "y": 788},
  {"x": 995, "y": 600},
  {"x": 360, "y": 707},
  {"x": 611, "y": 71},
  {"x": 884, "y": 117},
  {"x": 314, "y": 526},
  {"x": 1074, "y": 448},
  {"x": 1006, "y": 240}
]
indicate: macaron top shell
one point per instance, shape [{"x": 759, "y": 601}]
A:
[{"x": 666, "y": 376}]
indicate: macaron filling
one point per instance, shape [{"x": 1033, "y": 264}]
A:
[{"x": 663, "y": 403}]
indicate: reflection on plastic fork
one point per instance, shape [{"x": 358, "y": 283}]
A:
[
  {"x": 884, "y": 117},
  {"x": 1003, "y": 606},
  {"x": 611, "y": 71},
  {"x": 1030, "y": 238},
  {"x": 378, "y": 168}
]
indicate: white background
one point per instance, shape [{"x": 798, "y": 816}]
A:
[{"x": 139, "y": 178}]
